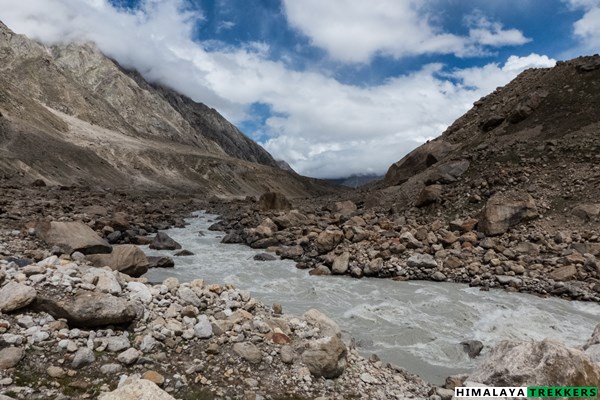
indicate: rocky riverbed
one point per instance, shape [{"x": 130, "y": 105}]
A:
[
  {"x": 77, "y": 322},
  {"x": 494, "y": 251}
]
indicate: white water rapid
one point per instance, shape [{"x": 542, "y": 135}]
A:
[{"x": 416, "y": 325}]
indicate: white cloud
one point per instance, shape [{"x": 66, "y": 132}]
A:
[
  {"x": 488, "y": 33},
  {"x": 322, "y": 127},
  {"x": 587, "y": 29},
  {"x": 355, "y": 31}
]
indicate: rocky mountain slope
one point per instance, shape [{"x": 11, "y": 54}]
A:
[
  {"x": 540, "y": 134},
  {"x": 70, "y": 115}
]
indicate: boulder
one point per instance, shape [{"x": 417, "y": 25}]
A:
[
  {"x": 565, "y": 273},
  {"x": 274, "y": 201},
  {"x": 472, "y": 347},
  {"x": 119, "y": 222},
  {"x": 447, "y": 172},
  {"x": 160, "y": 262},
  {"x": 248, "y": 351},
  {"x": 137, "y": 389},
  {"x": 340, "y": 264},
  {"x": 326, "y": 357},
  {"x": 429, "y": 195},
  {"x": 71, "y": 237},
  {"x": 492, "y": 122},
  {"x": 125, "y": 258},
  {"x": 292, "y": 218},
  {"x": 203, "y": 329},
  {"x": 593, "y": 352},
  {"x": 526, "y": 107},
  {"x": 586, "y": 212},
  {"x": 320, "y": 270},
  {"x": 83, "y": 357},
  {"x": 463, "y": 225},
  {"x": 506, "y": 209},
  {"x": 162, "y": 241},
  {"x": 86, "y": 309},
  {"x": 10, "y": 357},
  {"x": 417, "y": 161},
  {"x": 545, "y": 363},
  {"x": 326, "y": 325},
  {"x": 15, "y": 295},
  {"x": 129, "y": 356},
  {"x": 264, "y": 257},
  {"x": 421, "y": 261},
  {"x": 344, "y": 207},
  {"x": 328, "y": 239}
]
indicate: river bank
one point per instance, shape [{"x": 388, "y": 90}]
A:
[{"x": 338, "y": 237}]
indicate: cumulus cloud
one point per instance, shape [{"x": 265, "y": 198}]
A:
[
  {"x": 322, "y": 127},
  {"x": 355, "y": 31},
  {"x": 587, "y": 29}
]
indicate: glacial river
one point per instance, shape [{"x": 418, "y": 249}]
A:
[{"x": 416, "y": 325}]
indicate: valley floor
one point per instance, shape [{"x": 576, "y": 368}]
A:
[{"x": 215, "y": 341}]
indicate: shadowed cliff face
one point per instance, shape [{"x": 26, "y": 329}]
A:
[{"x": 70, "y": 115}]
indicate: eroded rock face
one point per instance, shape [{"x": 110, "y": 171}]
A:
[
  {"x": 87, "y": 309},
  {"x": 545, "y": 363},
  {"x": 71, "y": 237},
  {"x": 125, "y": 258},
  {"x": 506, "y": 209},
  {"x": 326, "y": 357}
]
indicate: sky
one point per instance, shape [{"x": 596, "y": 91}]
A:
[{"x": 333, "y": 87}]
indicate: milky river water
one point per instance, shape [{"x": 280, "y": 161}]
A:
[{"x": 416, "y": 325}]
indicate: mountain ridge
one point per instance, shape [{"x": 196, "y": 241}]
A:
[{"x": 71, "y": 115}]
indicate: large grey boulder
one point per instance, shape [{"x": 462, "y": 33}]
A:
[
  {"x": 15, "y": 295},
  {"x": 71, "y": 237},
  {"x": 506, "y": 209},
  {"x": 545, "y": 363},
  {"x": 126, "y": 258},
  {"x": 137, "y": 389},
  {"x": 86, "y": 309},
  {"x": 162, "y": 241},
  {"x": 326, "y": 357}
]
